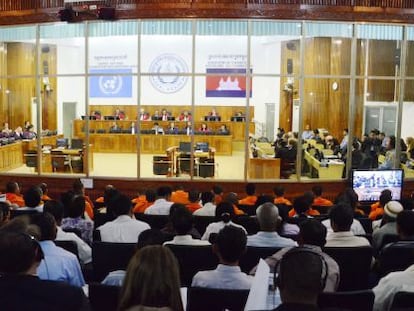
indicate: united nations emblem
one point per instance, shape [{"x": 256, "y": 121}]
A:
[
  {"x": 169, "y": 64},
  {"x": 110, "y": 85}
]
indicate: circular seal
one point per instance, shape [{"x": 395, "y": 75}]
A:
[
  {"x": 110, "y": 85},
  {"x": 168, "y": 64}
]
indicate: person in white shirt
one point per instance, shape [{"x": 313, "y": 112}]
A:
[
  {"x": 162, "y": 204},
  {"x": 388, "y": 223},
  {"x": 208, "y": 208},
  {"x": 33, "y": 199},
  {"x": 229, "y": 247},
  {"x": 341, "y": 217},
  {"x": 356, "y": 227},
  {"x": 269, "y": 221},
  {"x": 182, "y": 222},
  {"x": 401, "y": 281},
  {"x": 224, "y": 213},
  {"x": 125, "y": 228},
  {"x": 55, "y": 208}
]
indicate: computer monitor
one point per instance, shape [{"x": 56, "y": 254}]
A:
[
  {"x": 238, "y": 119},
  {"x": 185, "y": 147},
  {"x": 88, "y": 117},
  {"x": 202, "y": 147},
  {"x": 171, "y": 118},
  {"x": 76, "y": 144},
  {"x": 62, "y": 142},
  {"x": 368, "y": 184},
  {"x": 111, "y": 118},
  {"x": 212, "y": 118}
]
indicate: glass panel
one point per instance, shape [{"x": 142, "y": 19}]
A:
[
  {"x": 62, "y": 49},
  {"x": 17, "y": 51},
  {"x": 325, "y": 111},
  {"x": 18, "y": 149},
  {"x": 275, "y": 48},
  {"x": 379, "y": 50},
  {"x": 328, "y": 49}
]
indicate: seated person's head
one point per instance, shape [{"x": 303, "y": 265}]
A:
[
  {"x": 152, "y": 280},
  {"x": 182, "y": 220},
  {"x": 279, "y": 191},
  {"x": 193, "y": 196},
  {"x": 232, "y": 198},
  {"x": 164, "y": 192},
  {"x": 391, "y": 210},
  {"x": 341, "y": 216},
  {"x": 12, "y": 187},
  {"x": 405, "y": 225},
  {"x": 312, "y": 232},
  {"x": 33, "y": 196},
  {"x": 150, "y": 237},
  {"x": 349, "y": 196},
  {"x": 218, "y": 190},
  {"x": 224, "y": 211},
  {"x": 317, "y": 191},
  {"x": 301, "y": 276},
  {"x": 150, "y": 195},
  {"x": 385, "y": 197},
  {"x": 20, "y": 253},
  {"x": 268, "y": 217},
  {"x": 55, "y": 208},
  {"x": 47, "y": 226},
  {"x": 110, "y": 194},
  {"x": 262, "y": 199},
  {"x": 207, "y": 197},
  {"x": 230, "y": 244},
  {"x": 250, "y": 189},
  {"x": 122, "y": 206},
  {"x": 301, "y": 205},
  {"x": 77, "y": 207}
]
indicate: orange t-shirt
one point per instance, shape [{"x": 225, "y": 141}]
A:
[
  {"x": 180, "y": 196},
  {"x": 141, "y": 206},
  {"x": 237, "y": 211},
  {"x": 309, "y": 212},
  {"x": 217, "y": 199},
  {"x": 88, "y": 207},
  {"x": 15, "y": 199},
  {"x": 249, "y": 200},
  {"x": 45, "y": 197},
  {"x": 282, "y": 200},
  {"x": 192, "y": 207},
  {"x": 319, "y": 201},
  {"x": 376, "y": 211},
  {"x": 99, "y": 200}
]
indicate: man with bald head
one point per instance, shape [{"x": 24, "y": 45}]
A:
[{"x": 269, "y": 221}]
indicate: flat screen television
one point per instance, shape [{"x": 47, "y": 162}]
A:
[
  {"x": 88, "y": 117},
  {"x": 76, "y": 144},
  {"x": 368, "y": 184},
  {"x": 185, "y": 147},
  {"x": 212, "y": 118},
  {"x": 202, "y": 147}
]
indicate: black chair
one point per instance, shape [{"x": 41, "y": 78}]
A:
[
  {"x": 31, "y": 159},
  {"x": 251, "y": 257},
  {"x": 155, "y": 221},
  {"x": 211, "y": 299},
  {"x": 388, "y": 239},
  {"x": 248, "y": 209},
  {"x": 103, "y": 297},
  {"x": 397, "y": 256},
  {"x": 352, "y": 301},
  {"x": 249, "y": 223},
  {"x": 18, "y": 212},
  {"x": 201, "y": 222},
  {"x": 70, "y": 246},
  {"x": 192, "y": 259},
  {"x": 354, "y": 266},
  {"x": 107, "y": 257},
  {"x": 403, "y": 301}
]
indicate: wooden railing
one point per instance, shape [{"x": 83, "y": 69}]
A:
[{"x": 13, "y": 5}]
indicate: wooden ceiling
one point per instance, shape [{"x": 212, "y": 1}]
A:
[{"x": 39, "y": 11}]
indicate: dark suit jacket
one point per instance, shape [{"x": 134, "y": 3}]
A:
[{"x": 25, "y": 292}]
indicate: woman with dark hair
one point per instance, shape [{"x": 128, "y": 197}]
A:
[
  {"x": 75, "y": 218},
  {"x": 224, "y": 215},
  {"x": 152, "y": 282}
]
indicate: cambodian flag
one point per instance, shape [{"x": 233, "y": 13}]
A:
[{"x": 226, "y": 82}]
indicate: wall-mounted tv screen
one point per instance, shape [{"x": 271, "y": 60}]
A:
[{"x": 368, "y": 184}]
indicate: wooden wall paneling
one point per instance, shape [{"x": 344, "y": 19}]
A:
[
  {"x": 381, "y": 62},
  {"x": 20, "y": 61},
  {"x": 409, "y": 84},
  {"x": 359, "y": 89},
  {"x": 3, "y": 83},
  {"x": 48, "y": 67}
]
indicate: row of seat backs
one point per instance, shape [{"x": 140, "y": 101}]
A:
[{"x": 105, "y": 298}]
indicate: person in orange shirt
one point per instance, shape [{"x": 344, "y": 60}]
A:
[
  {"x": 79, "y": 189},
  {"x": 251, "y": 197},
  {"x": 377, "y": 208},
  {"x": 45, "y": 190},
  {"x": 180, "y": 196},
  {"x": 218, "y": 194},
  {"x": 145, "y": 201},
  {"x": 318, "y": 200},
  {"x": 232, "y": 198},
  {"x": 302, "y": 206},
  {"x": 194, "y": 198},
  {"x": 279, "y": 192},
  {"x": 13, "y": 194}
]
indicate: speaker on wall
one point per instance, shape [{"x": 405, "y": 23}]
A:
[{"x": 289, "y": 66}]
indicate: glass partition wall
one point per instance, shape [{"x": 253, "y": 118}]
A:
[{"x": 196, "y": 99}]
